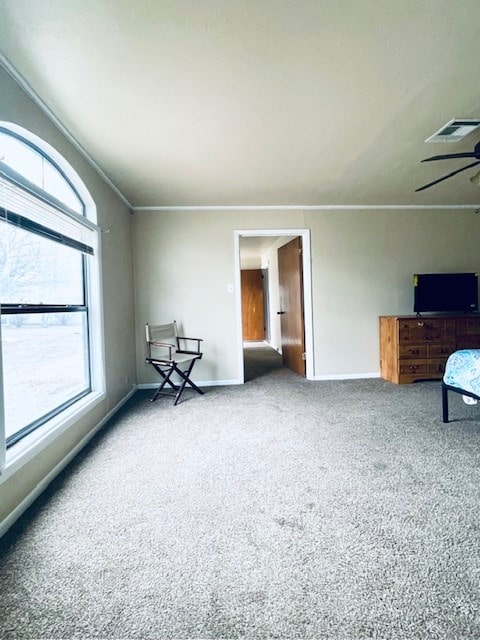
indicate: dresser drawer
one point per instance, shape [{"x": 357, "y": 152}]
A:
[
  {"x": 473, "y": 330},
  {"x": 441, "y": 350},
  {"x": 416, "y": 367},
  {"x": 428, "y": 332},
  {"x": 468, "y": 344},
  {"x": 437, "y": 366},
  {"x": 418, "y": 330},
  {"x": 412, "y": 351},
  {"x": 468, "y": 330}
]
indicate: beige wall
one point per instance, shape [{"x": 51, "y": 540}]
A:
[
  {"x": 363, "y": 263},
  {"x": 362, "y": 266},
  {"x": 117, "y": 276},
  {"x": 183, "y": 264}
]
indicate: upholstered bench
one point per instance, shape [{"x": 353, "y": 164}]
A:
[{"x": 462, "y": 375}]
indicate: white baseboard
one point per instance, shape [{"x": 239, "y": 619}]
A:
[
  {"x": 347, "y": 376},
  {"x": 41, "y": 486},
  {"x": 200, "y": 383},
  {"x": 221, "y": 383}
]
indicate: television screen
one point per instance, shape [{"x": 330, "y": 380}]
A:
[{"x": 442, "y": 292}]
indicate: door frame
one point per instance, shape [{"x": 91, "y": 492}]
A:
[
  {"x": 307, "y": 292},
  {"x": 266, "y": 302}
]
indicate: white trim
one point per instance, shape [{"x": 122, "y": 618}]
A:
[
  {"x": 201, "y": 383},
  {"x": 38, "y": 490},
  {"x": 10, "y": 69},
  {"x": 307, "y": 292},
  {"x": 223, "y": 383},
  {"x": 22, "y": 452},
  {"x": 346, "y": 376},
  {"x": 238, "y": 305},
  {"x": 304, "y": 207}
]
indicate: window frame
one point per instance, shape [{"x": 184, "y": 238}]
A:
[{"x": 43, "y": 431}]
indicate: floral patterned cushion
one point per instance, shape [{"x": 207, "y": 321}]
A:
[{"x": 462, "y": 370}]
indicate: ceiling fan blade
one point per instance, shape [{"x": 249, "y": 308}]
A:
[
  {"x": 449, "y": 175},
  {"x": 468, "y": 154}
]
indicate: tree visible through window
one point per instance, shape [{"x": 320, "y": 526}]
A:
[{"x": 45, "y": 246}]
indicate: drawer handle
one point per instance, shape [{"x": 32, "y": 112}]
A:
[
  {"x": 421, "y": 324},
  {"x": 414, "y": 352},
  {"x": 413, "y": 368}
]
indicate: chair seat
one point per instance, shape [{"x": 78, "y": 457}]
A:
[{"x": 177, "y": 356}]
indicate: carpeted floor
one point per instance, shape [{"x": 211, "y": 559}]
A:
[
  {"x": 260, "y": 360},
  {"x": 282, "y": 508}
]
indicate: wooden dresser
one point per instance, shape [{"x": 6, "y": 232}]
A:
[{"x": 417, "y": 347}]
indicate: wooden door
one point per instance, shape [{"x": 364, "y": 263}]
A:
[
  {"x": 253, "y": 304},
  {"x": 290, "y": 275}
]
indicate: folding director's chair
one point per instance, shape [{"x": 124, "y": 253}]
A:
[{"x": 167, "y": 353}]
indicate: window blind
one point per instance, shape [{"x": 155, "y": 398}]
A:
[{"x": 23, "y": 207}]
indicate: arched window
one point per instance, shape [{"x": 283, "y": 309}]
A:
[
  {"x": 38, "y": 169},
  {"x": 48, "y": 252}
]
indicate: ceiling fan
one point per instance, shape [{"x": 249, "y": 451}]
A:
[{"x": 467, "y": 154}]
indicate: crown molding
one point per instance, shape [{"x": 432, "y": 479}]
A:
[
  {"x": 306, "y": 207},
  {"x": 20, "y": 80}
]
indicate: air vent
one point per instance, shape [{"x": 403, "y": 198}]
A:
[{"x": 454, "y": 131}]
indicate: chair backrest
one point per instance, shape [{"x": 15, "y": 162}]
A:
[{"x": 161, "y": 333}]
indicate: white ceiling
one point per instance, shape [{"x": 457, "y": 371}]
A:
[{"x": 257, "y": 102}]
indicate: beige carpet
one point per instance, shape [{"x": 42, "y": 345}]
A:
[{"x": 282, "y": 508}]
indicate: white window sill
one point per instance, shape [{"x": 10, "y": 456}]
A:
[{"x": 22, "y": 452}]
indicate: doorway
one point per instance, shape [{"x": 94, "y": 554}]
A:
[{"x": 262, "y": 239}]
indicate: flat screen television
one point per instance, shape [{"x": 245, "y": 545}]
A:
[{"x": 445, "y": 292}]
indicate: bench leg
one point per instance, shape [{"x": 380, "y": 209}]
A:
[{"x": 444, "y": 403}]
